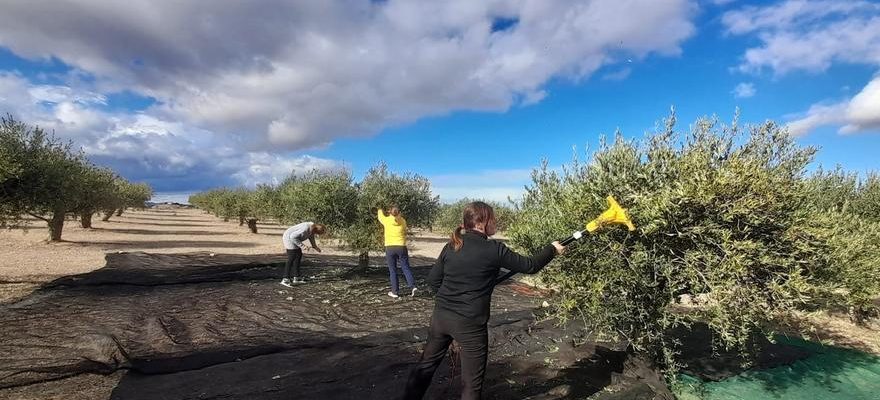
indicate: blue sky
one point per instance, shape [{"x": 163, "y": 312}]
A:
[{"x": 472, "y": 96}]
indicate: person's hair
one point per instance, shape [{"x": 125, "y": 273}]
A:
[
  {"x": 319, "y": 228},
  {"x": 395, "y": 211},
  {"x": 474, "y": 213}
]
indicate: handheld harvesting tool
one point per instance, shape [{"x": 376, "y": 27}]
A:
[{"x": 613, "y": 215}]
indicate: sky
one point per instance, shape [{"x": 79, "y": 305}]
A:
[{"x": 192, "y": 95}]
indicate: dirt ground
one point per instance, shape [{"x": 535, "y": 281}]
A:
[
  {"x": 192, "y": 326},
  {"x": 27, "y": 260},
  {"x": 26, "y": 257},
  {"x": 177, "y": 304}
]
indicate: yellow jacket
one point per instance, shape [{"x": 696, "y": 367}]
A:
[{"x": 395, "y": 229}]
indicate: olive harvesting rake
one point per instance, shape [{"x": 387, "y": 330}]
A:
[{"x": 613, "y": 215}]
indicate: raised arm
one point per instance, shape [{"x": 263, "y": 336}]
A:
[{"x": 380, "y": 215}]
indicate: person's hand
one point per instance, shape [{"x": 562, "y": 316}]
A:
[
  {"x": 559, "y": 247},
  {"x": 318, "y": 249}
]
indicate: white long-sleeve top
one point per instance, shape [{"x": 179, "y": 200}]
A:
[{"x": 295, "y": 235}]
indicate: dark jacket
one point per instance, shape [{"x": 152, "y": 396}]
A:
[{"x": 464, "y": 279}]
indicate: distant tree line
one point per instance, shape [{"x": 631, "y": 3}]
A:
[
  {"x": 449, "y": 215},
  {"x": 333, "y": 198}
]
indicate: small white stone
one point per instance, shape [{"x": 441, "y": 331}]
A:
[
  {"x": 276, "y": 377},
  {"x": 289, "y": 298},
  {"x": 545, "y": 304},
  {"x": 212, "y": 254}
]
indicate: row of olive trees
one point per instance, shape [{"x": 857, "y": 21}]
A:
[
  {"x": 724, "y": 214},
  {"x": 45, "y": 178},
  {"x": 332, "y": 198},
  {"x": 449, "y": 215}
]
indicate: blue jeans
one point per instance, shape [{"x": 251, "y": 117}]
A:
[{"x": 392, "y": 255}]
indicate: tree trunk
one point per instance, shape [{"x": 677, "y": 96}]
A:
[
  {"x": 241, "y": 221},
  {"x": 85, "y": 219},
  {"x": 225, "y": 219},
  {"x": 56, "y": 224},
  {"x": 119, "y": 211},
  {"x": 252, "y": 225},
  {"x": 107, "y": 215},
  {"x": 363, "y": 261}
]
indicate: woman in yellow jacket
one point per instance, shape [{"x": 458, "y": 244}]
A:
[{"x": 395, "y": 248}]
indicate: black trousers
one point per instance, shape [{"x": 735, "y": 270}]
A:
[
  {"x": 294, "y": 257},
  {"x": 474, "y": 342}
]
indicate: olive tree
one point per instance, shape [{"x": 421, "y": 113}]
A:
[
  {"x": 125, "y": 194},
  {"x": 263, "y": 203},
  {"x": 724, "y": 214},
  {"x": 45, "y": 178},
  {"x": 449, "y": 215},
  {"x": 328, "y": 198},
  {"x": 845, "y": 213},
  {"x": 100, "y": 191},
  {"x": 383, "y": 189}
]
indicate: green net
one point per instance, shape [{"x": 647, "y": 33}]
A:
[{"x": 830, "y": 373}]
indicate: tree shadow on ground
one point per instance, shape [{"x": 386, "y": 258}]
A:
[
  {"x": 170, "y": 218},
  {"x": 160, "y": 244},
  {"x": 162, "y": 232},
  {"x": 186, "y": 225}
]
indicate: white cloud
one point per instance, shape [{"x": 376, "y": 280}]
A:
[
  {"x": 273, "y": 169},
  {"x": 60, "y": 94},
  {"x": 811, "y": 36},
  {"x": 497, "y": 185},
  {"x": 284, "y": 75},
  {"x": 618, "y": 75},
  {"x": 744, "y": 90},
  {"x": 169, "y": 155},
  {"x": 861, "y": 113},
  {"x": 808, "y": 35},
  {"x": 172, "y": 197},
  {"x": 450, "y": 194}
]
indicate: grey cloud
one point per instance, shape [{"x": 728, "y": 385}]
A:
[
  {"x": 296, "y": 75},
  {"x": 171, "y": 156}
]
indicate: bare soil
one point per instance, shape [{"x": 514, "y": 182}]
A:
[
  {"x": 27, "y": 259},
  {"x": 178, "y": 304},
  {"x": 187, "y": 326}
]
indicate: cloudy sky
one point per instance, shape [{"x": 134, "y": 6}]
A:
[{"x": 189, "y": 95}]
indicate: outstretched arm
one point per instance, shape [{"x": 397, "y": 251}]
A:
[{"x": 527, "y": 265}]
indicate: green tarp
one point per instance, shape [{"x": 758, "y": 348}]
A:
[{"x": 830, "y": 373}]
